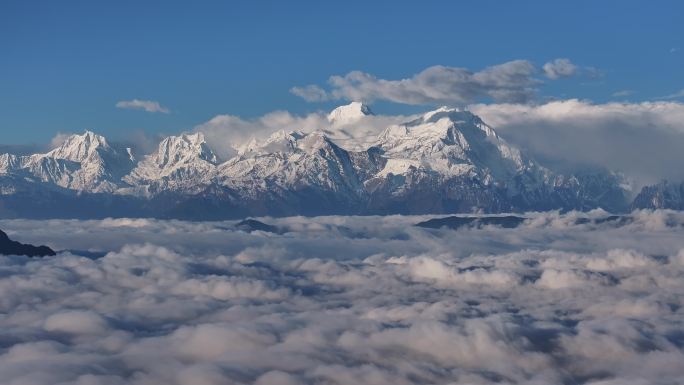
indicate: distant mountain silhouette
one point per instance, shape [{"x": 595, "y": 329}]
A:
[
  {"x": 10, "y": 247},
  {"x": 249, "y": 225},
  {"x": 475, "y": 222}
]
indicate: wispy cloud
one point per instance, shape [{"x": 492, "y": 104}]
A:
[
  {"x": 59, "y": 139},
  {"x": 676, "y": 95},
  {"x": 512, "y": 82},
  {"x": 310, "y": 93},
  {"x": 146, "y": 105},
  {"x": 622, "y": 93}
]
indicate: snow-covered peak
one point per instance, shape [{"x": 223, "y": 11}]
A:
[
  {"x": 439, "y": 113},
  {"x": 279, "y": 141},
  {"x": 85, "y": 162},
  {"x": 8, "y": 162},
  {"x": 349, "y": 113},
  {"x": 184, "y": 148},
  {"x": 457, "y": 116},
  {"x": 314, "y": 141},
  {"x": 78, "y": 148},
  {"x": 286, "y": 142},
  {"x": 184, "y": 162},
  {"x": 284, "y": 137},
  {"x": 450, "y": 141}
]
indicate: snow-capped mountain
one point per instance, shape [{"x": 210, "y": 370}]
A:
[
  {"x": 447, "y": 160},
  {"x": 349, "y": 113},
  {"x": 84, "y": 162},
  {"x": 182, "y": 163},
  {"x": 295, "y": 172},
  {"x": 451, "y": 143}
]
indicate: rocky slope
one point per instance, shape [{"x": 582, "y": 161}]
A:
[
  {"x": 10, "y": 247},
  {"x": 664, "y": 195}
]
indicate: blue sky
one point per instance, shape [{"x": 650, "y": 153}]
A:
[{"x": 65, "y": 65}]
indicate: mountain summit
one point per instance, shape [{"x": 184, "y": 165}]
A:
[
  {"x": 181, "y": 163},
  {"x": 82, "y": 162},
  {"x": 78, "y": 148},
  {"x": 349, "y": 113},
  {"x": 444, "y": 161}
]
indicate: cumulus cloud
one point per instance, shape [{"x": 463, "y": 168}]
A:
[
  {"x": 75, "y": 322},
  {"x": 346, "y": 300},
  {"x": 145, "y": 105},
  {"x": 310, "y": 93},
  {"x": 227, "y": 132},
  {"x": 510, "y": 82},
  {"x": 644, "y": 140},
  {"x": 559, "y": 68}
]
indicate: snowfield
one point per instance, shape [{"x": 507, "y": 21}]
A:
[{"x": 346, "y": 300}]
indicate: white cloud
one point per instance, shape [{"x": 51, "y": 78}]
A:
[
  {"x": 310, "y": 93},
  {"x": 346, "y": 300},
  {"x": 226, "y": 133},
  {"x": 75, "y": 322},
  {"x": 511, "y": 81},
  {"x": 146, "y": 105},
  {"x": 559, "y": 68},
  {"x": 58, "y": 139},
  {"x": 644, "y": 140}
]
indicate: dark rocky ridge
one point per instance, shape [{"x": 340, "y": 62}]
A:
[
  {"x": 10, "y": 247},
  {"x": 456, "y": 223},
  {"x": 250, "y": 225}
]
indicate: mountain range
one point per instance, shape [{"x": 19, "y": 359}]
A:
[{"x": 444, "y": 161}]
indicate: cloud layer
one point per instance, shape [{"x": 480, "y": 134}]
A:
[
  {"x": 345, "y": 300},
  {"x": 145, "y": 105},
  {"x": 510, "y": 82},
  {"x": 644, "y": 140}
]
